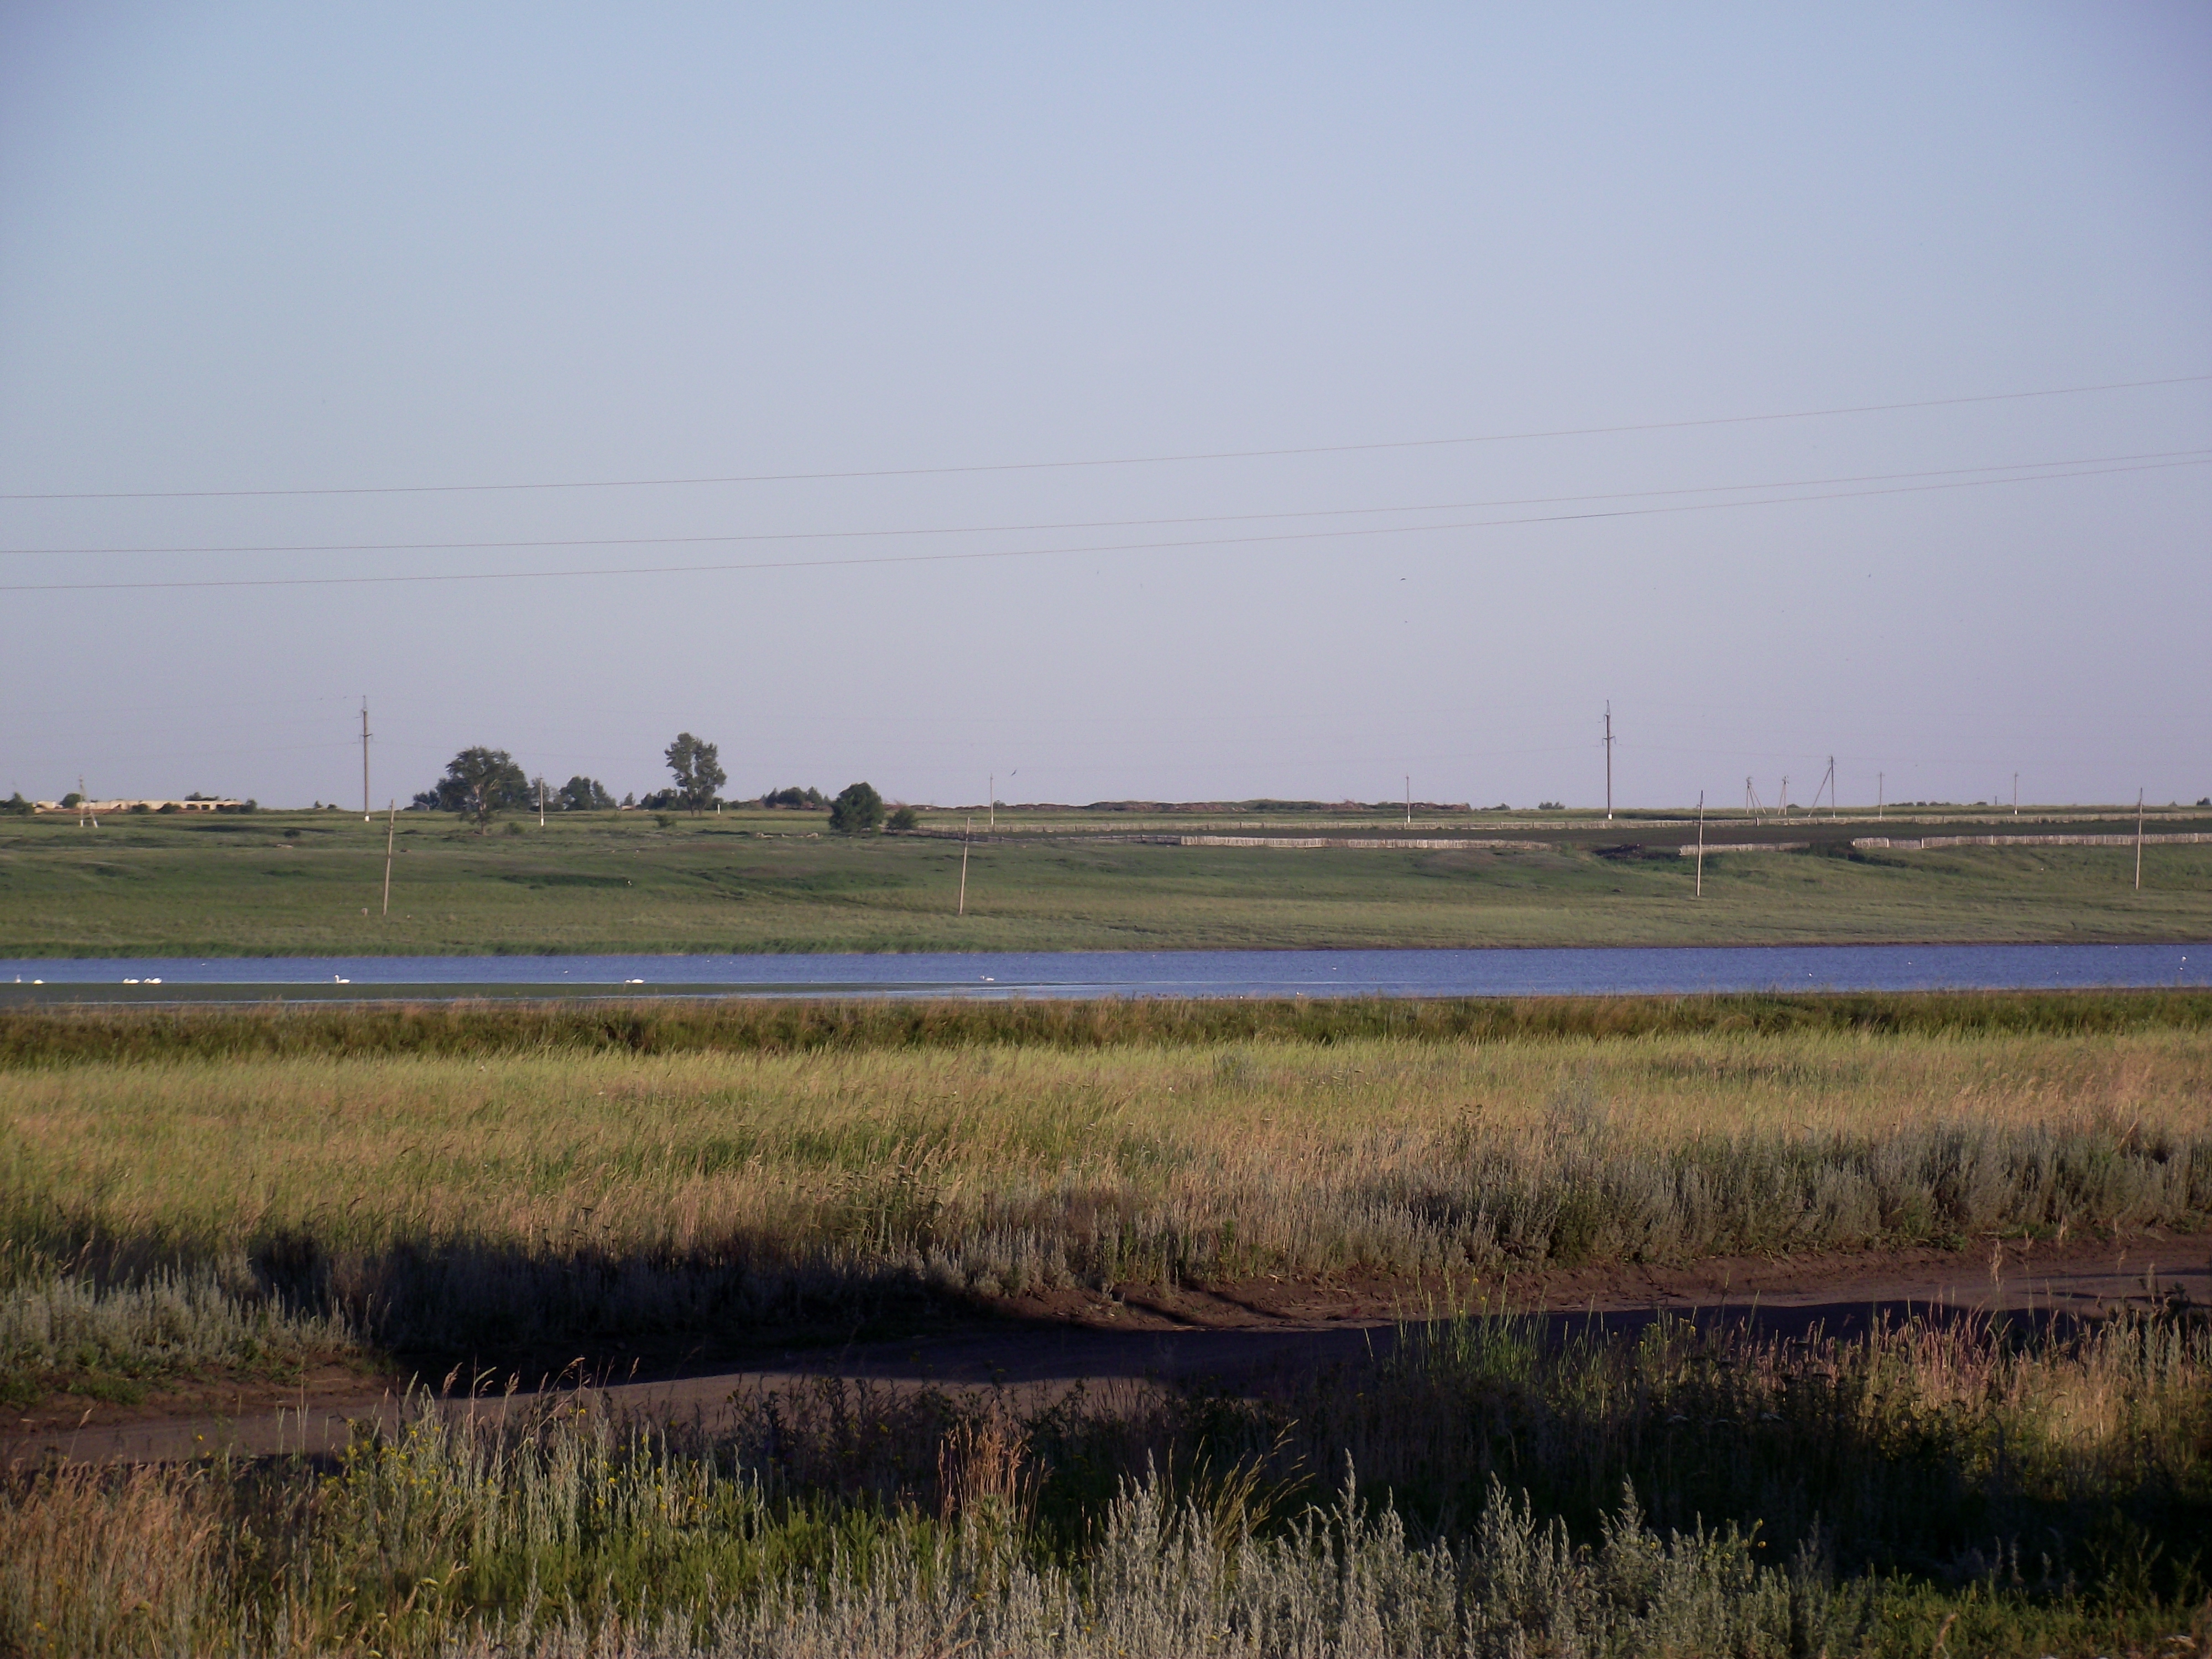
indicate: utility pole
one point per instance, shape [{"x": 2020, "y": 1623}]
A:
[
  {"x": 541, "y": 803},
  {"x": 364, "y": 760},
  {"x": 1877, "y": 795},
  {"x": 994, "y": 801},
  {"x": 391, "y": 828},
  {"x": 964, "y": 834},
  {"x": 1830, "y": 781},
  {"x": 1701, "y": 844},
  {"x": 1785, "y": 794},
  {"x": 1409, "y": 801},
  {"x": 2015, "y": 794},
  {"x": 1749, "y": 796},
  {"x": 1608, "y": 760},
  {"x": 2139, "y": 795}
]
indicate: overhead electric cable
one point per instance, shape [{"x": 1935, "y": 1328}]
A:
[
  {"x": 1103, "y": 523},
  {"x": 1118, "y": 460},
  {"x": 1045, "y": 552}
]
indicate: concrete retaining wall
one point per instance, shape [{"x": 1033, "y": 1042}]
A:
[
  {"x": 1926, "y": 843},
  {"x": 1400, "y": 843}
]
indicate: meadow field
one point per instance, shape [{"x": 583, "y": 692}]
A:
[
  {"x": 312, "y": 882},
  {"x": 491, "y": 1185},
  {"x": 248, "y": 1193}
]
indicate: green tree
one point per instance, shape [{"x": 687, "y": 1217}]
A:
[
  {"x": 583, "y": 794},
  {"x": 698, "y": 770},
  {"x": 858, "y": 807},
  {"x": 479, "y": 783},
  {"x": 903, "y": 817}
]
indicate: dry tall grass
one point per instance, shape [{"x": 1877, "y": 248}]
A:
[
  {"x": 566, "y": 1195},
  {"x": 2033, "y": 1495}
]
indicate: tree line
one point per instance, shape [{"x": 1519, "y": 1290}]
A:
[{"x": 479, "y": 783}]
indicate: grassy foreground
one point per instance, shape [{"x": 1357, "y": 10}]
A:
[
  {"x": 1924, "y": 1489},
  {"x": 310, "y": 883},
  {"x": 242, "y": 1192}
]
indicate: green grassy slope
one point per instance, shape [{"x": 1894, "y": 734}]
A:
[{"x": 279, "y": 883}]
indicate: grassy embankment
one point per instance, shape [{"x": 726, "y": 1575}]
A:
[
  {"x": 1924, "y": 1490},
  {"x": 310, "y": 882},
  {"x": 499, "y": 1183}
]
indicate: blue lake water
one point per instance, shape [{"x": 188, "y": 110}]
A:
[{"x": 1585, "y": 972}]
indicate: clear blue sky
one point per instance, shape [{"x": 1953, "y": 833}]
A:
[{"x": 286, "y": 248}]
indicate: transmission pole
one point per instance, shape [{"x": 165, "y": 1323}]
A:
[
  {"x": 1608, "y": 760},
  {"x": 2139, "y": 795},
  {"x": 365, "y": 809}
]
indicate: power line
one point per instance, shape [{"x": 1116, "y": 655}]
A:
[
  {"x": 1102, "y": 524},
  {"x": 1119, "y": 460},
  {"x": 1045, "y": 552}
]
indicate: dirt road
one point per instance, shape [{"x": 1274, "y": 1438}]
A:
[{"x": 1238, "y": 1336}]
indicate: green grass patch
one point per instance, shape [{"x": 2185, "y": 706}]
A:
[
  {"x": 312, "y": 884},
  {"x": 37, "y": 1036}
]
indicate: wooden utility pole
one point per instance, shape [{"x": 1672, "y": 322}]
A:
[
  {"x": 2139, "y": 795},
  {"x": 1608, "y": 760},
  {"x": 1701, "y": 844},
  {"x": 994, "y": 804},
  {"x": 364, "y": 760},
  {"x": 2015, "y": 794},
  {"x": 1409, "y": 801},
  {"x": 541, "y": 803},
  {"x": 391, "y": 828},
  {"x": 964, "y": 834},
  {"x": 1878, "y": 781}
]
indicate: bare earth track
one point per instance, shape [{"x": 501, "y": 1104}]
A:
[{"x": 1234, "y": 1336}]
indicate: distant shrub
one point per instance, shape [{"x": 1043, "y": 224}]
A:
[
  {"x": 795, "y": 797},
  {"x": 583, "y": 794},
  {"x": 903, "y": 817},
  {"x": 856, "y": 808}
]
